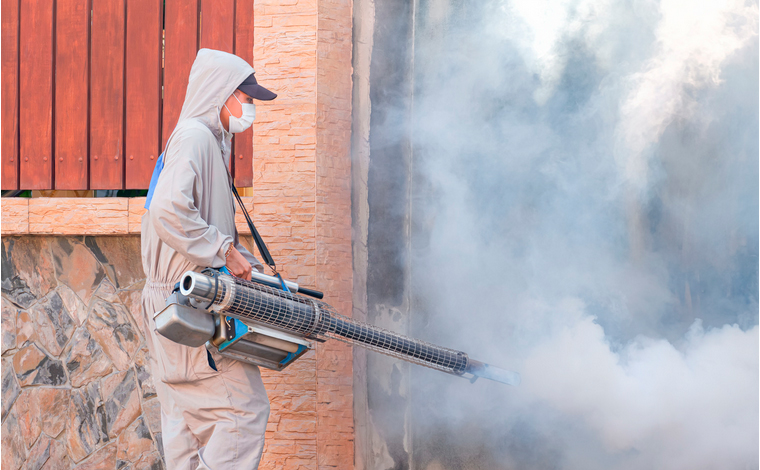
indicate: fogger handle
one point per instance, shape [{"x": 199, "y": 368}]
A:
[
  {"x": 272, "y": 281},
  {"x": 310, "y": 292}
]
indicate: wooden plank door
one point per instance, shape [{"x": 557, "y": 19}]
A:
[
  {"x": 181, "y": 30},
  {"x": 36, "y": 94},
  {"x": 71, "y": 93},
  {"x": 218, "y": 24},
  {"x": 143, "y": 126},
  {"x": 10, "y": 57},
  {"x": 218, "y": 32},
  {"x": 243, "y": 150},
  {"x": 107, "y": 95}
]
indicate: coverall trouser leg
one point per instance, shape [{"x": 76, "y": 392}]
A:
[{"x": 214, "y": 422}]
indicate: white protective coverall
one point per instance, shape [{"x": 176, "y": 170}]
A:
[{"x": 209, "y": 419}]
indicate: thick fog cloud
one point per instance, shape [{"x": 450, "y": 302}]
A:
[{"x": 589, "y": 218}]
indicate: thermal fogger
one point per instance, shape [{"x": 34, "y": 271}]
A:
[{"x": 258, "y": 323}]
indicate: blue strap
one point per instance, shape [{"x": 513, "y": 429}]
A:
[
  {"x": 282, "y": 282},
  {"x": 154, "y": 179}
]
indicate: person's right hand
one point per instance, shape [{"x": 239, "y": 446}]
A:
[{"x": 238, "y": 265}]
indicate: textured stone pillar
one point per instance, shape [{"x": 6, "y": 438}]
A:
[{"x": 302, "y": 194}]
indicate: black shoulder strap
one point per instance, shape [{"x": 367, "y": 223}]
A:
[{"x": 256, "y": 237}]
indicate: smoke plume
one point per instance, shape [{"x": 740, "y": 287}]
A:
[{"x": 589, "y": 176}]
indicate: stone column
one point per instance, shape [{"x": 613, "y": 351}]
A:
[{"x": 302, "y": 194}]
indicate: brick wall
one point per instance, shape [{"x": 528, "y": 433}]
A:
[
  {"x": 335, "y": 430},
  {"x": 75, "y": 397},
  {"x": 302, "y": 50}
]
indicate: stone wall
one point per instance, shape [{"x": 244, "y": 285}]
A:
[
  {"x": 76, "y": 385},
  {"x": 76, "y": 388}
]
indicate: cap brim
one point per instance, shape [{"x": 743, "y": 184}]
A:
[{"x": 257, "y": 92}]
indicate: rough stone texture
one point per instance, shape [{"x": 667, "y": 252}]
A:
[
  {"x": 32, "y": 262},
  {"x": 134, "y": 442},
  {"x": 15, "y": 214},
  {"x": 25, "y": 331},
  {"x": 132, "y": 300},
  {"x": 26, "y": 273},
  {"x": 76, "y": 267},
  {"x": 85, "y": 360},
  {"x": 144, "y": 379},
  {"x": 110, "y": 326},
  {"x": 34, "y": 367},
  {"x": 58, "y": 460},
  {"x": 136, "y": 211},
  {"x": 152, "y": 413},
  {"x": 73, "y": 304},
  {"x": 104, "y": 216},
  {"x": 107, "y": 291},
  {"x": 48, "y": 454},
  {"x": 151, "y": 461},
  {"x": 121, "y": 398},
  {"x": 159, "y": 444},
  {"x": 13, "y": 448},
  {"x": 86, "y": 427},
  {"x": 103, "y": 459},
  {"x": 8, "y": 326},
  {"x": 26, "y": 408},
  {"x": 11, "y": 390},
  {"x": 53, "y": 409},
  {"x": 52, "y": 324},
  {"x": 117, "y": 255}
]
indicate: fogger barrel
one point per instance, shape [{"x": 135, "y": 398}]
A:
[{"x": 252, "y": 302}]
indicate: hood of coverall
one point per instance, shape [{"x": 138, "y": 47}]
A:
[{"x": 213, "y": 78}]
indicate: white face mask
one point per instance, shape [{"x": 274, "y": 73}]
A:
[{"x": 239, "y": 124}]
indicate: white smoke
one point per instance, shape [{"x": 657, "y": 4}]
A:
[
  {"x": 635, "y": 330},
  {"x": 682, "y": 408},
  {"x": 693, "y": 40}
]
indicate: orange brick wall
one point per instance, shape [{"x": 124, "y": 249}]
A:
[
  {"x": 335, "y": 420},
  {"x": 302, "y": 195}
]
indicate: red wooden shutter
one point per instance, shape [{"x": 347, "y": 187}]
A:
[
  {"x": 36, "y": 95},
  {"x": 218, "y": 24},
  {"x": 71, "y": 83},
  {"x": 10, "y": 25},
  {"x": 107, "y": 95},
  {"x": 143, "y": 102},
  {"x": 181, "y": 25},
  {"x": 243, "y": 151}
]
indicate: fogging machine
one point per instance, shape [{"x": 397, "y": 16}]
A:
[{"x": 266, "y": 322}]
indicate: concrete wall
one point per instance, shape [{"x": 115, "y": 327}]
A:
[{"x": 382, "y": 156}]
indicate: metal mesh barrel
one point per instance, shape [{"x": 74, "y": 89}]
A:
[{"x": 311, "y": 318}]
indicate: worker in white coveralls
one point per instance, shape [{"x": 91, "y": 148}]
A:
[{"x": 214, "y": 410}]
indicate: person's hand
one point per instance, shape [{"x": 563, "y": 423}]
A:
[{"x": 238, "y": 265}]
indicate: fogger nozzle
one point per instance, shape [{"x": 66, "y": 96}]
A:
[
  {"x": 310, "y": 318},
  {"x": 487, "y": 371}
]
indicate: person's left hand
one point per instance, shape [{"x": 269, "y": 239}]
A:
[{"x": 238, "y": 265}]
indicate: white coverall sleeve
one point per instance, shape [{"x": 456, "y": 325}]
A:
[
  {"x": 255, "y": 263},
  {"x": 175, "y": 215}
]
